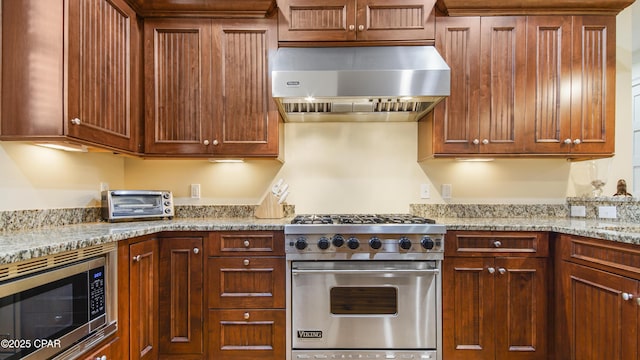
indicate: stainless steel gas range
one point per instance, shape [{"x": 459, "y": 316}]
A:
[{"x": 364, "y": 287}]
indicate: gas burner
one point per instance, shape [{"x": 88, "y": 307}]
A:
[{"x": 361, "y": 219}]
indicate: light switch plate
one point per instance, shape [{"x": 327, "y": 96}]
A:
[
  {"x": 607, "y": 212},
  {"x": 578, "y": 211},
  {"x": 446, "y": 191},
  {"x": 195, "y": 191},
  {"x": 425, "y": 192}
]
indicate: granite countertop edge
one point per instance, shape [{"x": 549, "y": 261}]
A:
[{"x": 16, "y": 246}]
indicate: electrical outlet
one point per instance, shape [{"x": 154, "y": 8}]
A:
[
  {"x": 104, "y": 186},
  {"x": 425, "y": 191},
  {"x": 195, "y": 191},
  {"x": 607, "y": 212},
  {"x": 578, "y": 211},
  {"x": 446, "y": 191}
]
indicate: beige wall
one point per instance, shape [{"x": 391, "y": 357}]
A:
[{"x": 330, "y": 168}]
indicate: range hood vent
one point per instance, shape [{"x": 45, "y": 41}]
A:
[{"x": 394, "y": 83}]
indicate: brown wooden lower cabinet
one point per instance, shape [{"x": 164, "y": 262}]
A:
[
  {"x": 105, "y": 352},
  {"x": 246, "y": 334},
  {"x": 495, "y": 308},
  {"x": 181, "y": 317},
  {"x": 598, "y": 306},
  {"x": 495, "y": 295},
  {"x": 143, "y": 300}
]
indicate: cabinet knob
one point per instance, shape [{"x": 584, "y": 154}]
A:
[
  {"x": 247, "y": 243},
  {"x": 502, "y": 271},
  {"x": 215, "y": 142},
  {"x": 568, "y": 141},
  {"x": 196, "y": 250},
  {"x": 627, "y": 296},
  {"x": 577, "y": 141},
  {"x": 497, "y": 243},
  {"x": 103, "y": 357},
  {"x": 76, "y": 121},
  {"x": 352, "y": 27},
  {"x": 246, "y": 316},
  {"x": 136, "y": 258},
  {"x": 360, "y": 27},
  {"x": 491, "y": 270},
  {"x": 246, "y": 262},
  {"x": 476, "y": 141},
  {"x": 206, "y": 142},
  {"x": 485, "y": 141}
]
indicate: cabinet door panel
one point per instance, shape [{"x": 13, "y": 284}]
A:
[
  {"x": 177, "y": 86},
  {"x": 393, "y": 20},
  {"x": 521, "y": 300},
  {"x": 593, "y": 81},
  {"x": 143, "y": 299},
  {"x": 100, "y": 72},
  {"x": 468, "y": 309},
  {"x": 456, "y": 119},
  {"x": 548, "y": 78},
  {"x": 502, "y": 79},
  {"x": 248, "y": 117},
  {"x": 247, "y": 334},
  {"x": 180, "y": 299},
  {"x": 246, "y": 282},
  {"x": 245, "y": 243},
  {"x": 602, "y": 325},
  {"x": 310, "y": 20}
]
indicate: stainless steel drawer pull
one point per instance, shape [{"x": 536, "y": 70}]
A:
[
  {"x": 247, "y": 243},
  {"x": 136, "y": 258},
  {"x": 502, "y": 271},
  {"x": 497, "y": 243},
  {"x": 196, "y": 250},
  {"x": 246, "y": 316},
  {"x": 246, "y": 262},
  {"x": 627, "y": 296},
  {"x": 491, "y": 270}
]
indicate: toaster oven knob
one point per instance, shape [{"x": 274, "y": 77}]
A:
[
  {"x": 405, "y": 243},
  {"x": 165, "y": 195},
  {"x": 353, "y": 243},
  {"x": 323, "y": 243},
  {"x": 427, "y": 243},
  {"x": 167, "y": 211},
  {"x": 375, "y": 243},
  {"x": 301, "y": 243},
  {"x": 167, "y": 203},
  {"x": 337, "y": 240}
]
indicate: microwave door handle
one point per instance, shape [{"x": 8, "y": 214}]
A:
[{"x": 367, "y": 271}]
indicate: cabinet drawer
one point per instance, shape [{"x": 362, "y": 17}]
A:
[
  {"x": 246, "y": 282},
  {"x": 619, "y": 258},
  {"x": 244, "y": 243},
  {"x": 496, "y": 243},
  {"x": 247, "y": 334}
]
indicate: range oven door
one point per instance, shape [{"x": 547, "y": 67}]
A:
[{"x": 364, "y": 304}]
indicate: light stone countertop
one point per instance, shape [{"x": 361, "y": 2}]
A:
[{"x": 23, "y": 245}]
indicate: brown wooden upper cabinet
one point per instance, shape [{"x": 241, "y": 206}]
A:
[
  {"x": 525, "y": 86},
  {"x": 69, "y": 72},
  {"x": 207, "y": 87},
  {"x": 362, "y": 20}
]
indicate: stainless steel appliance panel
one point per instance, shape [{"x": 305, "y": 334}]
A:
[{"x": 364, "y": 304}]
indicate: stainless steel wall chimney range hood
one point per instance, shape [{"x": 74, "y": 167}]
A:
[{"x": 334, "y": 84}]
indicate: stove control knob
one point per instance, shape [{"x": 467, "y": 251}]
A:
[
  {"x": 323, "y": 243},
  {"x": 337, "y": 240},
  {"x": 405, "y": 243},
  {"x": 375, "y": 243},
  {"x": 427, "y": 243},
  {"x": 301, "y": 243},
  {"x": 353, "y": 243}
]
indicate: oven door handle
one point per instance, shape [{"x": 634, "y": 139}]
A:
[{"x": 366, "y": 271}]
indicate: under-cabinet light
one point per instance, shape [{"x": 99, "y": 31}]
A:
[
  {"x": 65, "y": 146},
  {"x": 475, "y": 159},
  {"x": 233, "y": 161}
]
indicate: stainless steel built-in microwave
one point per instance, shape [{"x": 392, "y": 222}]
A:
[{"x": 58, "y": 313}]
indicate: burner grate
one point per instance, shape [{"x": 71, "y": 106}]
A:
[{"x": 363, "y": 219}]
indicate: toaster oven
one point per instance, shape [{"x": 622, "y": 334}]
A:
[{"x": 136, "y": 204}]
